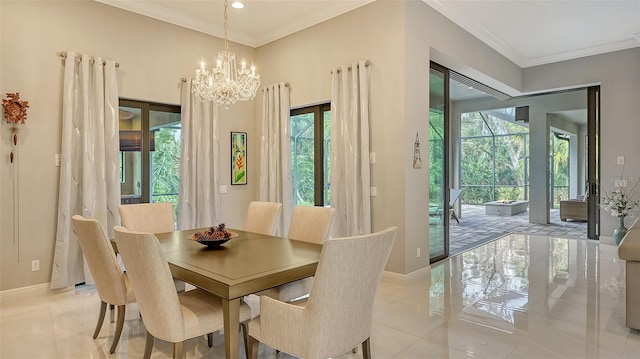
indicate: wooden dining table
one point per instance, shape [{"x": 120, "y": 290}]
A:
[{"x": 246, "y": 264}]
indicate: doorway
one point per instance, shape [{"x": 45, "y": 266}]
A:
[{"x": 451, "y": 96}]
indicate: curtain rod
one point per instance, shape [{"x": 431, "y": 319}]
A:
[
  {"x": 366, "y": 64},
  {"x": 63, "y": 54},
  {"x": 184, "y": 79},
  {"x": 286, "y": 84}
]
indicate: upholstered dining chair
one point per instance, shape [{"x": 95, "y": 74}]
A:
[
  {"x": 148, "y": 217},
  {"x": 111, "y": 283},
  {"x": 308, "y": 224},
  {"x": 167, "y": 315},
  {"x": 338, "y": 314},
  {"x": 152, "y": 218},
  {"x": 262, "y": 217}
]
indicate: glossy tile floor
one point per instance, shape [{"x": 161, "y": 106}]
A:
[
  {"x": 476, "y": 227},
  {"x": 520, "y": 296}
]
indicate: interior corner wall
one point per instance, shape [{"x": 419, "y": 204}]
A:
[
  {"x": 305, "y": 59},
  {"x": 618, "y": 74},
  {"x": 153, "y": 58},
  {"x": 431, "y": 36}
]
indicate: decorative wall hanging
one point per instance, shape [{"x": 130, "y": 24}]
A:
[
  {"x": 238, "y": 158},
  {"x": 15, "y": 111},
  {"x": 417, "y": 161}
]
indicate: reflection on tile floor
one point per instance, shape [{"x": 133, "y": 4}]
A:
[
  {"x": 517, "y": 297},
  {"x": 476, "y": 227}
]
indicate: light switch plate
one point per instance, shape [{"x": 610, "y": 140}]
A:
[{"x": 223, "y": 189}]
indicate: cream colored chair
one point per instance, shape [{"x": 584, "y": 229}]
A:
[
  {"x": 150, "y": 217},
  {"x": 338, "y": 315},
  {"x": 112, "y": 284},
  {"x": 167, "y": 315},
  {"x": 262, "y": 217},
  {"x": 308, "y": 224}
]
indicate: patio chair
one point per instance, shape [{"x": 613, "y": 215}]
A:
[{"x": 454, "y": 194}]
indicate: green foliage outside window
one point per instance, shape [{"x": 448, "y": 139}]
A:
[
  {"x": 302, "y": 158},
  {"x": 436, "y": 156},
  {"x": 559, "y": 153},
  {"x": 303, "y": 147},
  {"x": 493, "y": 157},
  {"x": 166, "y": 166},
  {"x": 508, "y": 142}
]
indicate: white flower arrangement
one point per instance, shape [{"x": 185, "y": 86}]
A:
[{"x": 620, "y": 202}]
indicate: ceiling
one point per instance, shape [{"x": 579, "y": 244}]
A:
[{"x": 528, "y": 32}]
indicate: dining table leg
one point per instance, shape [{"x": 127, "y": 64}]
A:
[{"x": 231, "y": 316}]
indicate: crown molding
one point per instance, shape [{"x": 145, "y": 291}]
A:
[
  {"x": 311, "y": 19},
  {"x": 453, "y": 12},
  {"x": 159, "y": 12},
  {"x": 236, "y": 34},
  {"x": 588, "y": 51}
]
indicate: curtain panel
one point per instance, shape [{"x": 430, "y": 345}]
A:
[
  {"x": 90, "y": 171},
  {"x": 199, "y": 192},
  {"x": 350, "y": 177},
  {"x": 275, "y": 151}
]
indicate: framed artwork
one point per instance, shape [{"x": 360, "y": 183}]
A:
[{"x": 238, "y": 158}]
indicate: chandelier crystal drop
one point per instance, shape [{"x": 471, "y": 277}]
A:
[{"x": 225, "y": 83}]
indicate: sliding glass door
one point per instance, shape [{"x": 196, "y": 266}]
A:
[
  {"x": 438, "y": 160},
  {"x": 593, "y": 161}
]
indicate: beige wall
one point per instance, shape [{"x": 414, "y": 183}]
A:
[
  {"x": 153, "y": 58},
  {"x": 305, "y": 60},
  {"x": 399, "y": 38},
  {"x": 619, "y": 76}
]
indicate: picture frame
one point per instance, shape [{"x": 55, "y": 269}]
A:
[{"x": 238, "y": 158}]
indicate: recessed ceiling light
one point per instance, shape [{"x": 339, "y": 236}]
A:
[{"x": 237, "y": 5}]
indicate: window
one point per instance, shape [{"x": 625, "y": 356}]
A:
[
  {"x": 149, "y": 152},
  {"x": 121, "y": 161},
  {"x": 310, "y": 148}
]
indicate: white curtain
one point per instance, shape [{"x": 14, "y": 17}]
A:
[
  {"x": 199, "y": 204},
  {"x": 349, "y": 168},
  {"x": 90, "y": 171},
  {"x": 275, "y": 162}
]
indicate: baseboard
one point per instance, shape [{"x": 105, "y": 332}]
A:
[
  {"x": 407, "y": 279},
  {"x": 33, "y": 291},
  {"x": 607, "y": 240}
]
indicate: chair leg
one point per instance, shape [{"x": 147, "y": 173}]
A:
[
  {"x": 210, "y": 340},
  {"x": 103, "y": 311},
  {"x": 177, "y": 350},
  {"x": 366, "y": 348},
  {"x": 111, "y": 306},
  {"x": 245, "y": 336},
  {"x": 119, "y": 325},
  {"x": 252, "y": 351},
  {"x": 148, "y": 346},
  {"x": 453, "y": 214}
]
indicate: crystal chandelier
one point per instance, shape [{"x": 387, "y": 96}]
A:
[{"x": 225, "y": 83}]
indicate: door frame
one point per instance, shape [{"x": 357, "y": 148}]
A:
[
  {"x": 593, "y": 162},
  {"x": 446, "y": 160}
]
